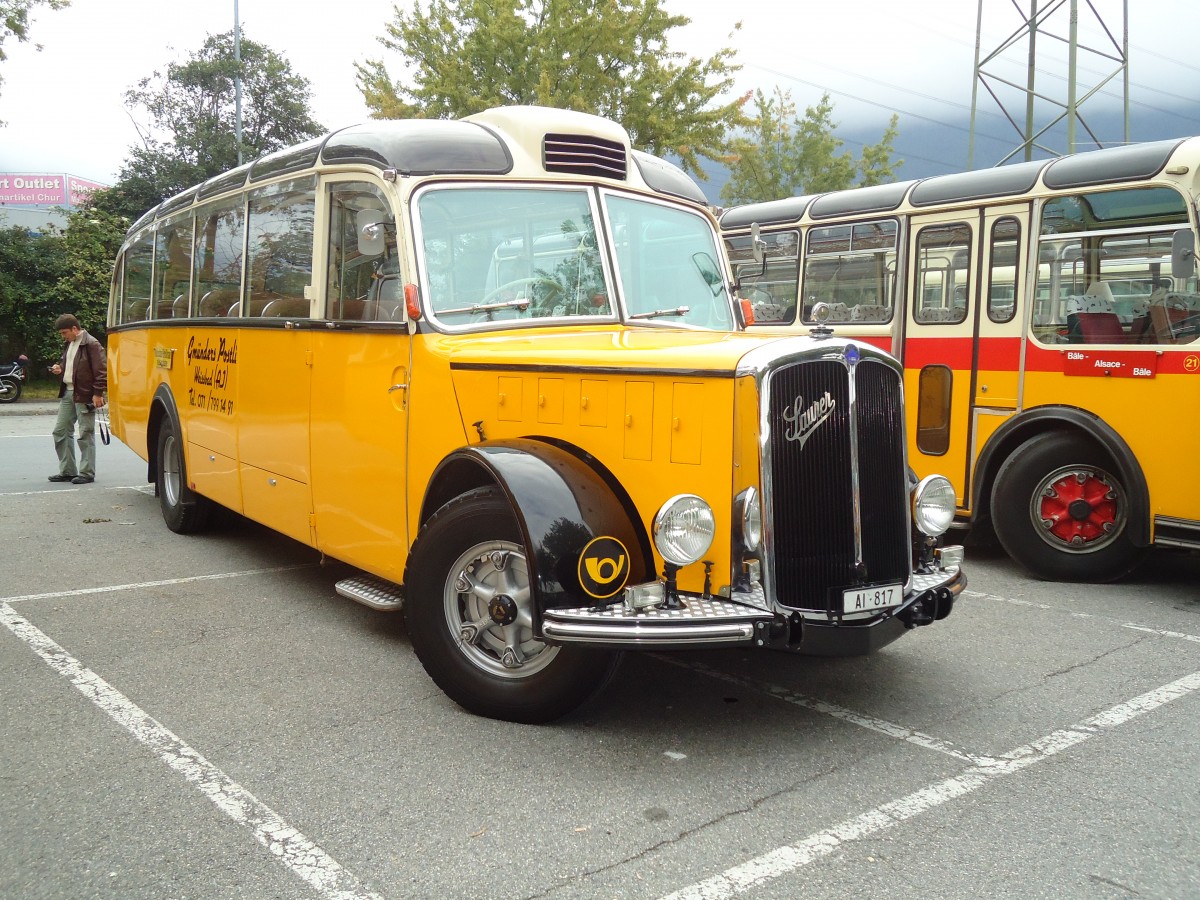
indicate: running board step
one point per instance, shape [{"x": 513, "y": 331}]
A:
[{"x": 371, "y": 591}]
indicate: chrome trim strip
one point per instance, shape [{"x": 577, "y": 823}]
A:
[
  {"x": 694, "y": 609},
  {"x": 636, "y": 633},
  {"x": 855, "y": 482},
  {"x": 1170, "y": 531}
]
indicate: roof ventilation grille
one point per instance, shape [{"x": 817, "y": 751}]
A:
[{"x": 583, "y": 154}]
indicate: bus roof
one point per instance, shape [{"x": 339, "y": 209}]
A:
[
  {"x": 1111, "y": 165},
  {"x": 562, "y": 142}
]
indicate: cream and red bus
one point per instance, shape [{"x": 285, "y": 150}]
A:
[
  {"x": 1047, "y": 316},
  {"x": 495, "y": 368}
]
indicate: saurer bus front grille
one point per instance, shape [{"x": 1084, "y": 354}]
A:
[
  {"x": 812, "y": 480},
  {"x": 582, "y": 154}
]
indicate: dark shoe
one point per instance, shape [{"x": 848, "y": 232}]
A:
[
  {"x": 63, "y": 477},
  {"x": 82, "y": 479}
]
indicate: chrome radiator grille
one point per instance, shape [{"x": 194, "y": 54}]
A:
[{"x": 812, "y": 480}]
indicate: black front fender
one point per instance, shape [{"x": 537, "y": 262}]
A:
[{"x": 562, "y": 504}]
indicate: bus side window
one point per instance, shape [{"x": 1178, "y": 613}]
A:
[
  {"x": 1004, "y": 273},
  {"x": 139, "y": 262},
  {"x": 933, "y": 409},
  {"x": 280, "y": 249},
  {"x": 772, "y": 286},
  {"x": 173, "y": 268},
  {"x": 218, "y": 256},
  {"x": 360, "y": 288},
  {"x": 943, "y": 267}
]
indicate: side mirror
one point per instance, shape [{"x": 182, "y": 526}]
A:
[
  {"x": 758, "y": 249},
  {"x": 372, "y": 236},
  {"x": 1183, "y": 254}
]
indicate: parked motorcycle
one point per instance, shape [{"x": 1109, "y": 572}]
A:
[{"x": 12, "y": 378}]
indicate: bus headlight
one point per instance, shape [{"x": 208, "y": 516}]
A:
[
  {"x": 749, "y": 513},
  {"x": 933, "y": 505},
  {"x": 684, "y": 529}
]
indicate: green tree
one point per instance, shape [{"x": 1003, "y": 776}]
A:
[
  {"x": 190, "y": 130},
  {"x": 783, "y": 155},
  {"x": 90, "y": 243},
  {"x": 14, "y": 20},
  {"x": 875, "y": 165},
  {"x": 30, "y": 266},
  {"x": 608, "y": 57}
]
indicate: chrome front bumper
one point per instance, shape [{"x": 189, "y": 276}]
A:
[{"x": 742, "y": 620}]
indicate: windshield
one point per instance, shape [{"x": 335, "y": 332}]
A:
[
  {"x": 667, "y": 263},
  {"x": 497, "y": 254},
  {"x": 494, "y": 254}
]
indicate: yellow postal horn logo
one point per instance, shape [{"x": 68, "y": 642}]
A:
[{"x": 603, "y": 567}]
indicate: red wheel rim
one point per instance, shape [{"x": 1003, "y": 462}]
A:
[{"x": 1079, "y": 508}]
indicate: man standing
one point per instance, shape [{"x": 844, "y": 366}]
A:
[{"x": 84, "y": 380}]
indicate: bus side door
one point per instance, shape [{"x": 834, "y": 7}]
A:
[
  {"x": 1000, "y": 309},
  {"x": 359, "y": 445},
  {"x": 939, "y": 346},
  {"x": 361, "y": 364}
]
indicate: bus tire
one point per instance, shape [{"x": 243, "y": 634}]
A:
[
  {"x": 468, "y": 610},
  {"x": 1060, "y": 512},
  {"x": 184, "y": 511}
]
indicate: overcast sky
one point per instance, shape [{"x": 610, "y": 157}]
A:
[{"x": 64, "y": 113}]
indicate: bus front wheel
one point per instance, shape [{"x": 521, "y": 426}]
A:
[
  {"x": 469, "y": 611},
  {"x": 1060, "y": 512},
  {"x": 184, "y": 511}
]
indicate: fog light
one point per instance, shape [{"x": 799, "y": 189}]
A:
[
  {"x": 949, "y": 557},
  {"x": 644, "y": 596}
]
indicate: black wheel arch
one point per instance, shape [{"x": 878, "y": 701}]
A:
[
  {"x": 1068, "y": 420},
  {"x": 163, "y": 411},
  {"x": 561, "y": 497}
]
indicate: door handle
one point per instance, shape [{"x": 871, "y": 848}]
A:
[{"x": 397, "y": 387}]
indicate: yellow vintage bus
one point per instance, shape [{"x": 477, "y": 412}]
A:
[
  {"x": 495, "y": 366},
  {"x": 1047, "y": 315}
]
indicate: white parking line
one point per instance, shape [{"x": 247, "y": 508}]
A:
[
  {"x": 1109, "y": 620},
  {"x": 107, "y": 589},
  {"x": 786, "y": 860},
  {"x": 871, "y": 723},
  {"x": 68, "y": 488},
  {"x": 1179, "y": 635},
  {"x": 304, "y": 858}
]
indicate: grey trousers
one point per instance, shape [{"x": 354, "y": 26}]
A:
[{"x": 72, "y": 415}]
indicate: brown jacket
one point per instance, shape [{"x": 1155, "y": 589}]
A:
[{"x": 90, "y": 376}]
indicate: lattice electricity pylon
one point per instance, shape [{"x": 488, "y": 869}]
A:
[{"x": 1043, "y": 22}]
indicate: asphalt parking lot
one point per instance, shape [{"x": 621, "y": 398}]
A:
[{"x": 202, "y": 717}]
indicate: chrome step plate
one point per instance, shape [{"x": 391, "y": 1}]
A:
[
  {"x": 713, "y": 621},
  {"x": 695, "y": 609},
  {"x": 371, "y": 591}
]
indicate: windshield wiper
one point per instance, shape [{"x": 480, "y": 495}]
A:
[
  {"x": 658, "y": 313},
  {"x": 521, "y": 303}
]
